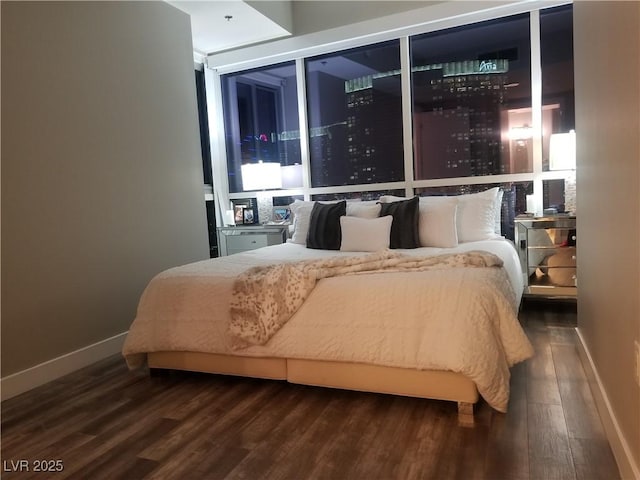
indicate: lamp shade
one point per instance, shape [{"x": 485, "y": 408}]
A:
[
  {"x": 291, "y": 176},
  {"x": 562, "y": 151},
  {"x": 261, "y": 176}
]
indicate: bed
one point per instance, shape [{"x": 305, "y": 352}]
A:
[{"x": 441, "y": 333}]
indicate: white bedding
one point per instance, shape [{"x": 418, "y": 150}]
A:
[{"x": 450, "y": 320}]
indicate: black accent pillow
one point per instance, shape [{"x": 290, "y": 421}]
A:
[
  {"x": 404, "y": 228},
  {"x": 324, "y": 225}
]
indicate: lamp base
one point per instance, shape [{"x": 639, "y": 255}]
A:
[
  {"x": 570, "y": 193},
  {"x": 265, "y": 206}
]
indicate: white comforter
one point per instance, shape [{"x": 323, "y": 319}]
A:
[{"x": 462, "y": 320}]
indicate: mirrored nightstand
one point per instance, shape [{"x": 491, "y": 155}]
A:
[
  {"x": 548, "y": 256},
  {"x": 249, "y": 237}
]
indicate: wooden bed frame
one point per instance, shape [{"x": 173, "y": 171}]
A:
[{"x": 431, "y": 384}]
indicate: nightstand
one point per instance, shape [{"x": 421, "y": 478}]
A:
[
  {"x": 547, "y": 251},
  {"x": 249, "y": 237}
]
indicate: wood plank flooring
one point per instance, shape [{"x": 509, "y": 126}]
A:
[{"x": 107, "y": 422}]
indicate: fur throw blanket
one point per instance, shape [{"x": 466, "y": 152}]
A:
[{"x": 264, "y": 298}]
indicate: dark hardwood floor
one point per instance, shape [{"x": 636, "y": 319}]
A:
[{"x": 107, "y": 422}]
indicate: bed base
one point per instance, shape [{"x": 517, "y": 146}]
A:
[{"x": 431, "y": 384}]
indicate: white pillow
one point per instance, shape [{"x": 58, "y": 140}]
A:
[
  {"x": 368, "y": 209},
  {"x": 476, "y": 216},
  {"x": 391, "y": 198},
  {"x": 365, "y": 234},
  {"x": 498, "y": 226},
  {"x": 301, "y": 212},
  {"x": 437, "y": 222}
]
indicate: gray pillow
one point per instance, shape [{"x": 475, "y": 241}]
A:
[
  {"x": 324, "y": 226},
  {"x": 404, "y": 228}
]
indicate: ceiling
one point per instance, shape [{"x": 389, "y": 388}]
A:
[{"x": 223, "y": 25}]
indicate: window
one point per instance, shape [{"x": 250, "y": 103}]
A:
[
  {"x": 559, "y": 194},
  {"x": 364, "y": 196},
  {"x": 355, "y": 116},
  {"x": 261, "y": 119},
  {"x": 558, "y": 106},
  {"x": 472, "y": 100},
  {"x": 205, "y": 146}
]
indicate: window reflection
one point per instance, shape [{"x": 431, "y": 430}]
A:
[
  {"x": 556, "y": 50},
  {"x": 472, "y": 100},
  {"x": 261, "y": 119},
  {"x": 559, "y": 195},
  {"x": 364, "y": 196},
  {"x": 355, "y": 116}
]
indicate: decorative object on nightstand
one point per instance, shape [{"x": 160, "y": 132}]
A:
[
  {"x": 245, "y": 211},
  {"x": 243, "y": 238},
  {"x": 547, "y": 250}
]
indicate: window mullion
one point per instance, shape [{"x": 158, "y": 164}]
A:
[
  {"x": 536, "y": 108},
  {"x": 407, "y": 120},
  {"x": 213, "y": 87},
  {"x": 301, "y": 81}
]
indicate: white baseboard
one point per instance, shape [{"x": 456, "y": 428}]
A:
[
  {"x": 33, "y": 377},
  {"x": 621, "y": 450}
]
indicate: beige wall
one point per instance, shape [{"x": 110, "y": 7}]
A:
[
  {"x": 101, "y": 169},
  {"x": 607, "y": 86}
]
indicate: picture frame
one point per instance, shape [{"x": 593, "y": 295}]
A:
[
  {"x": 248, "y": 217},
  {"x": 281, "y": 214},
  {"x": 238, "y": 214},
  {"x": 245, "y": 211}
]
